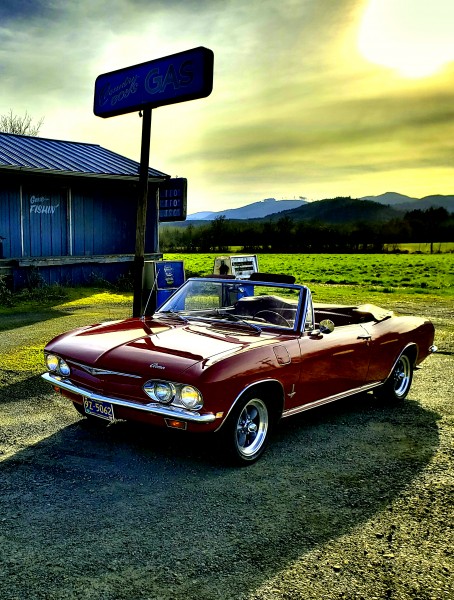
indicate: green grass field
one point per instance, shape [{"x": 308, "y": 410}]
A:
[
  {"x": 392, "y": 280},
  {"x": 439, "y": 247},
  {"x": 358, "y": 277},
  {"x": 405, "y": 283}
]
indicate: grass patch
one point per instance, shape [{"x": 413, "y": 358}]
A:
[
  {"x": 24, "y": 358},
  {"x": 96, "y": 298},
  {"x": 357, "y": 274},
  {"x": 398, "y": 282}
]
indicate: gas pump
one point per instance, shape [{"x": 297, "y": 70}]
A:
[
  {"x": 238, "y": 265},
  {"x": 161, "y": 278}
]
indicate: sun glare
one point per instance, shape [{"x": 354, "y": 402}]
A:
[{"x": 413, "y": 37}]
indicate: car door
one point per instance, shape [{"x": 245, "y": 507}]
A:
[{"x": 331, "y": 364}]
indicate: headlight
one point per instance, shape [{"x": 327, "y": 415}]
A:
[
  {"x": 177, "y": 394},
  {"x": 63, "y": 367},
  {"x": 52, "y": 362},
  {"x": 161, "y": 391},
  {"x": 190, "y": 397},
  {"x": 55, "y": 364},
  {"x": 164, "y": 392}
]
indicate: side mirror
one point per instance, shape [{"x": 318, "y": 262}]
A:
[{"x": 326, "y": 326}]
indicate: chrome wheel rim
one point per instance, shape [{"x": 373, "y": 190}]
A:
[
  {"x": 252, "y": 428},
  {"x": 402, "y": 376}
]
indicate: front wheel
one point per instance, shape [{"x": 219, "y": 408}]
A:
[
  {"x": 79, "y": 408},
  {"x": 398, "y": 384},
  {"x": 247, "y": 431}
]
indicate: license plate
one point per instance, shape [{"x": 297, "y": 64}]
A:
[{"x": 99, "y": 408}]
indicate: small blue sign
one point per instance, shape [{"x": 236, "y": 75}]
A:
[
  {"x": 176, "y": 78},
  {"x": 169, "y": 275}
]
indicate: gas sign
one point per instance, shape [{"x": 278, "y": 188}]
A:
[
  {"x": 173, "y": 200},
  {"x": 176, "y": 78}
]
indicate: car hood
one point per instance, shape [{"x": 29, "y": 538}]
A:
[{"x": 136, "y": 346}]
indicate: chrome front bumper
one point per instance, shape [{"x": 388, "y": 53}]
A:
[{"x": 152, "y": 407}]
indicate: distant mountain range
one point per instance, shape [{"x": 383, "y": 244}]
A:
[
  {"x": 256, "y": 210},
  {"x": 375, "y": 208},
  {"x": 406, "y": 203},
  {"x": 340, "y": 210}
]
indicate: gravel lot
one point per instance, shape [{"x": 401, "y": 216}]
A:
[{"x": 352, "y": 500}]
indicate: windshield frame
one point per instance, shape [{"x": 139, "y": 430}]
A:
[{"x": 170, "y": 306}]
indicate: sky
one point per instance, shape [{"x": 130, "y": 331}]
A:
[{"x": 311, "y": 98}]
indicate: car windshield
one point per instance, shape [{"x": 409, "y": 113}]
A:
[{"x": 243, "y": 302}]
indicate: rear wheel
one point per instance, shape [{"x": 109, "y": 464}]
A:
[
  {"x": 246, "y": 433},
  {"x": 398, "y": 384}
]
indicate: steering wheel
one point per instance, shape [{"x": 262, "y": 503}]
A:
[{"x": 280, "y": 320}]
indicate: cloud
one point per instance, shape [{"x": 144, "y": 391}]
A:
[{"x": 294, "y": 106}]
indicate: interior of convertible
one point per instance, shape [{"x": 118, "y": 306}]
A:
[
  {"x": 269, "y": 308},
  {"x": 276, "y": 310},
  {"x": 261, "y": 303},
  {"x": 349, "y": 315}
]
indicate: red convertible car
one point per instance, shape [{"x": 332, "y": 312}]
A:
[{"x": 233, "y": 357}]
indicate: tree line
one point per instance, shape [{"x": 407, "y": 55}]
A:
[
  {"x": 433, "y": 225},
  {"x": 20, "y": 125}
]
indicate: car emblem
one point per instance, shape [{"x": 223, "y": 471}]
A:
[
  {"x": 156, "y": 366},
  {"x": 95, "y": 371}
]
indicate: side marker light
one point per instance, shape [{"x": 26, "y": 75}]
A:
[{"x": 176, "y": 424}]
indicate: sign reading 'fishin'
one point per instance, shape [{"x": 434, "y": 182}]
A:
[
  {"x": 176, "y": 78},
  {"x": 42, "y": 205}
]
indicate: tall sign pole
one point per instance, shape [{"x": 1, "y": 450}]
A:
[
  {"x": 142, "y": 213},
  {"x": 176, "y": 78}
]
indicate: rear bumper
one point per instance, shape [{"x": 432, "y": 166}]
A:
[{"x": 151, "y": 408}]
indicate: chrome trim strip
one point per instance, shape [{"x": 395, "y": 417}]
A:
[
  {"x": 95, "y": 371},
  {"x": 353, "y": 392},
  {"x": 226, "y": 415},
  {"x": 410, "y": 345},
  {"x": 300, "y": 318},
  {"x": 152, "y": 407}
]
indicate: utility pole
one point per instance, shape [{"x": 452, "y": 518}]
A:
[{"x": 139, "y": 259}]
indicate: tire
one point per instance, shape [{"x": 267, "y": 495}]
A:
[
  {"x": 398, "y": 384},
  {"x": 80, "y": 409},
  {"x": 247, "y": 431}
]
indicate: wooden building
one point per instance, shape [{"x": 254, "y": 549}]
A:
[{"x": 67, "y": 210}]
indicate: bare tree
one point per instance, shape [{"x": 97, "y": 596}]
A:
[{"x": 11, "y": 123}]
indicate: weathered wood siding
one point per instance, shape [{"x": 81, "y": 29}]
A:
[
  {"x": 10, "y": 228},
  {"x": 102, "y": 223},
  {"x": 58, "y": 220},
  {"x": 45, "y": 220}
]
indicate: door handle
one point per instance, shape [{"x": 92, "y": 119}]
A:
[{"x": 364, "y": 336}]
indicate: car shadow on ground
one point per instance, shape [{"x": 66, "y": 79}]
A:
[
  {"x": 16, "y": 320},
  {"x": 22, "y": 319},
  {"x": 130, "y": 512}
]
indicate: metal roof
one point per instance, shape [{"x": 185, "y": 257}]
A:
[{"x": 40, "y": 155}]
